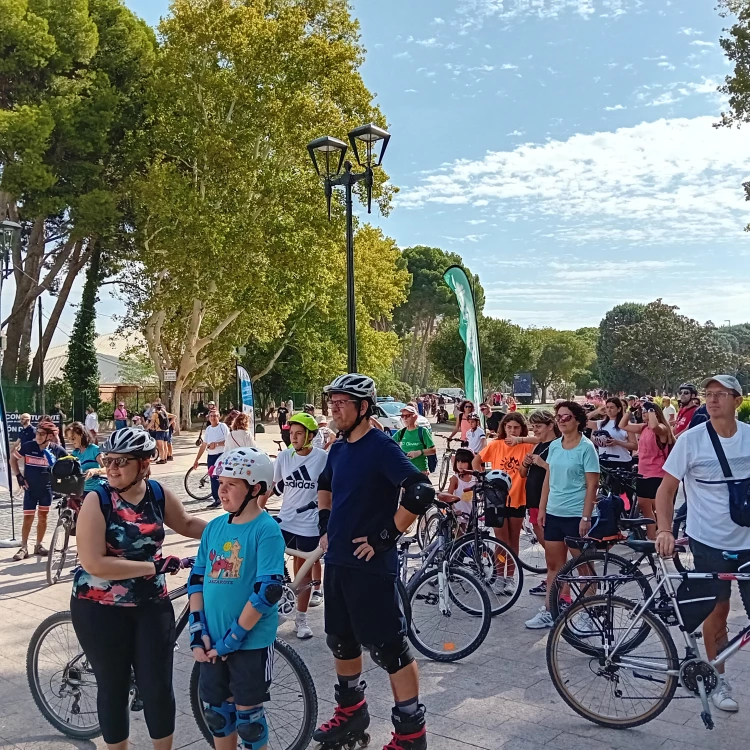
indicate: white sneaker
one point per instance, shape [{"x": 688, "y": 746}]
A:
[
  {"x": 722, "y": 696},
  {"x": 316, "y": 598},
  {"x": 542, "y": 619},
  {"x": 303, "y": 630},
  {"x": 583, "y": 625}
]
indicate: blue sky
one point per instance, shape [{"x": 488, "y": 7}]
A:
[{"x": 564, "y": 148}]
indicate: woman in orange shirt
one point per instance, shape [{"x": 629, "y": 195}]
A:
[{"x": 506, "y": 453}]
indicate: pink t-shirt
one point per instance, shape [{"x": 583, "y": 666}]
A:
[{"x": 651, "y": 456}]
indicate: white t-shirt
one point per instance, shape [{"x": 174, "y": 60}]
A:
[
  {"x": 300, "y": 477},
  {"x": 475, "y": 437},
  {"x": 92, "y": 422},
  {"x": 693, "y": 460},
  {"x": 321, "y": 437},
  {"x": 613, "y": 452},
  {"x": 216, "y": 434},
  {"x": 670, "y": 414},
  {"x": 239, "y": 439}
]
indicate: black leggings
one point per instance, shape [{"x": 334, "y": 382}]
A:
[{"x": 114, "y": 638}]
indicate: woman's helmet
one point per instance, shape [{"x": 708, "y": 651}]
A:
[
  {"x": 128, "y": 440},
  {"x": 250, "y": 464},
  {"x": 497, "y": 486},
  {"x": 359, "y": 386}
]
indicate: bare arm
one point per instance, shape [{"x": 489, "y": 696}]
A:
[
  {"x": 543, "y": 500},
  {"x": 477, "y": 464},
  {"x": 178, "y": 519},
  {"x": 662, "y": 431},
  {"x": 628, "y": 426}
]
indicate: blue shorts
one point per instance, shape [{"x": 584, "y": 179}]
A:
[
  {"x": 556, "y": 528},
  {"x": 39, "y": 496},
  {"x": 160, "y": 435}
]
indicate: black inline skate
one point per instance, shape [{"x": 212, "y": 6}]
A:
[
  {"x": 346, "y": 730},
  {"x": 410, "y": 731}
]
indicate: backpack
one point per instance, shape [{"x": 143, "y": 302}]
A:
[
  {"x": 431, "y": 460},
  {"x": 105, "y": 498},
  {"x": 610, "y": 508},
  {"x": 163, "y": 420}
]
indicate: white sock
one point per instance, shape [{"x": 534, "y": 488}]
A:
[{"x": 301, "y": 618}]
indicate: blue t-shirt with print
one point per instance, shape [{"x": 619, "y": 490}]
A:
[
  {"x": 567, "y": 476},
  {"x": 234, "y": 556},
  {"x": 38, "y": 463},
  {"x": 87, "y": 459}
]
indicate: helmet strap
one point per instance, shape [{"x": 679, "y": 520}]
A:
[{"x": 357, "y": 421}]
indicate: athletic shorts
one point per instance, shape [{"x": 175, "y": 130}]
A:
[
  {"x": 646, "y": 487},
  {"x": 299, "y": 542},
  {"x": 245, "y": 676},
  {"x": 160, "y": 435},
  {"x": 38, "y": 497},
  {"x": 710, "y": 560},
  {"x": 363, "y": 606},
  {"x": 556, "y": 528},
  {"x": 496, "y": 516}
]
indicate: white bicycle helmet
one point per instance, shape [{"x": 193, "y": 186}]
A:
[
  {"x": 250, "y": 464},
  {"x": 497, "y": 486},
  {"x": 354, "y": 384},
  {"x": 128, "y": 440}
]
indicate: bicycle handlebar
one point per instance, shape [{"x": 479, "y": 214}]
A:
[{"x": 312, "y": 504}]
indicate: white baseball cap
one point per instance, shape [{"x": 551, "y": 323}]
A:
[
  {"x": 728, "y": 381},
  {"x": 410, "y": 409}
]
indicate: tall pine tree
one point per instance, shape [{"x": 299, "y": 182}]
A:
[{"x": 82, "y": 368}]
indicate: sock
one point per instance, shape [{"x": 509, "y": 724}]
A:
[
  {"x": 408, "y": 707},
  {"x": 301, "y": 617},
  {"x": 349, "y": 681}
]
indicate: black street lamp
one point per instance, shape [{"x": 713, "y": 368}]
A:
[
  {"x": 10, "y": 232},
  {"x": 331, "y": 152}
]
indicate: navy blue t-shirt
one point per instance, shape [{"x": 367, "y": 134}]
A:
[
  {"x": 365, "y": 479},
  {"x": 27, "y": 433},
  {"x": 699, "y": 417},
  {"x": 38, "y": 462}
]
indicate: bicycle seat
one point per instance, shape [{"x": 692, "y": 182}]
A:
[{"x": 632, "y": 523}]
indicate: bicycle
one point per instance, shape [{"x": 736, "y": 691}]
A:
[
  {"x": 446, "y": 463},
  {"x": 63, "y": 684},
  {"x": 197, "y": 482},
  {"x": 631, "y": 652},
  {"x": 67, "y": 508}
]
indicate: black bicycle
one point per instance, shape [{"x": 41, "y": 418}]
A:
[
  {"x": 197, "y": 482},
  {"x": 63, "y": 685},
  {"x": 59, "y": 552}
]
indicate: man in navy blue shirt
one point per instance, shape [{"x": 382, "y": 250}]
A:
[
  {"x": 38, "y": 455},
  {"x": 360, "y": 521}
]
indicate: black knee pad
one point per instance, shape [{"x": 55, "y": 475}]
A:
[
  {"x": 343, "y": 648},
  {"x": 393, "y": 656}
]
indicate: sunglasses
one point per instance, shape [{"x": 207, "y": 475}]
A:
[
  {"x": 118, "y": 462},
  {"x": 563, "y": 418}
]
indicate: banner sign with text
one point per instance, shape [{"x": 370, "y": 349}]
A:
[{"x": 246, "y": 391}]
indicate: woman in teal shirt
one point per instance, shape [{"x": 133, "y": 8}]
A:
[
  {"x": 87, "y": 454},
  {"x": 568, "y": 495}
]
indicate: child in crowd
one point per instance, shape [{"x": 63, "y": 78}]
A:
[{"x": 461, "y": 484}]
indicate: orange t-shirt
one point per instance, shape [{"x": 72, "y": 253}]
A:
[{"x": 508, "y": 458}]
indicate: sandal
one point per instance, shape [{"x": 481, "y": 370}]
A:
[
  {"x": 40, "y": 550},
  {"x": 22, "y": 554}
]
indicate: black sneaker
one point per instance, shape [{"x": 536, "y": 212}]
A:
[
  {"x": 540, "y": 590},
  {"x": 170, "y": 458},
  {"x": 213, "y": 506}
]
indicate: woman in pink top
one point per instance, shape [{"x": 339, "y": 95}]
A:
[
  {"x": 462, "y": 421},
  {"x": 656, "y": 441}
]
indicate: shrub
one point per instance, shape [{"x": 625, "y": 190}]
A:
[{"x": 743, "y": 413}]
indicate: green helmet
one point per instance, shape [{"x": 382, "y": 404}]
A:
[{"x": 306, "y": 420}]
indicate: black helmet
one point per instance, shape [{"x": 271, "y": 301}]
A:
[
  {"x": 688, "y": 387},
  {"x": 67, "y": 478}
]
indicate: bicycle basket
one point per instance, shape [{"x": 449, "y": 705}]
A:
[
  {"x": 696, "y": 599},
  {"x": 67, "y": 478}
]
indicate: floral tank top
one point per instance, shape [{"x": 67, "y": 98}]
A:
[{"x": 134, "y": 532}]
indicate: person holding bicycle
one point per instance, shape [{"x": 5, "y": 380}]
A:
[
  {"x": 716, "y": 522},
  {"x": 119, "y": 606},
  {"x": 234, "y": 588}
]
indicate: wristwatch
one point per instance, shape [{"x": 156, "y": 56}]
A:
[{"x": 586, "y": 518}]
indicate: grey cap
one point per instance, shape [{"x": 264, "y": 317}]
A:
[{"x": 728, "y": 381}]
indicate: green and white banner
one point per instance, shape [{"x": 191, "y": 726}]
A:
[{"x": 457, "y": 280}]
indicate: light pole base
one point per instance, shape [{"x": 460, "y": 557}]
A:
[{"x": 7, "y": 543}]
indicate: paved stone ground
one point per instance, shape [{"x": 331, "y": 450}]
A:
[{"x": 500, "y": 697}]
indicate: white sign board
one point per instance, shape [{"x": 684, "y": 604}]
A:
[{"x": 170, "y": 376}]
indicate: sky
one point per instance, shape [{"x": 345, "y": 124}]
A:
[{"x": 564, "y": 148}]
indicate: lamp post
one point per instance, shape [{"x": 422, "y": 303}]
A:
[{"x": 331, "y": 152}]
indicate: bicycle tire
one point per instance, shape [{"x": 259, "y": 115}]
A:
[
  {"x": 310, "y": 700},
  {"x": 32, "y": 676},
  {"x": 534, "y": 547},
  {"x": 404, "y": 600},
  {"x": 480, "y": 570},
  {"x": 592, "y": 556},
  {"x": 486, "y": 617},
  {"x": 683, "y": 562},
  {"x": 203, "y": 481},
  {"x": 445, "y": 467},
  {"x": 427, "y": 527},
  {"x": 55, "y": 565},
  {"x": 557, "y": 637}
]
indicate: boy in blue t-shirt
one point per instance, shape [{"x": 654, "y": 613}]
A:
[{"x": 234, "y": 589}]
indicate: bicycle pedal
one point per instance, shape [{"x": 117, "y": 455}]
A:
[
  {"x": 708, "y": 721},
  {"x": 136, "y": 705}
]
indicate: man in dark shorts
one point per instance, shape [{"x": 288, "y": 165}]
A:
[{"x": 360, "y": 520}]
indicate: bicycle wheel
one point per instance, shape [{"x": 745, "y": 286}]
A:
[
  {"x": 683, "y": 561},
  {"x": 198, "y": 483},
  {"x": 457, "y": 626},
  {"x": 628, "y": 690},
  {"x": 58, "y": 551},
  {"x": 495, "y": 565},
  {"x": 445, "y": 470},
  {"x": 61, "y": 680},
  {"x": 427, "y": 527},
  {"x": 565, "y": 589},
  {"x": 292, "y": 712},
  {"x": 531, "y": 551}
]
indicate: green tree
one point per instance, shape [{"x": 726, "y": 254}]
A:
[
  {"x": 136, "y": 368},
  {"x": 82, "y": 367},
  {"x": 72, "y": 82},
  {"x": 667, "y": 348},
  {"x": 611, "y": 374},
  {"x": 561, "y": 355}
]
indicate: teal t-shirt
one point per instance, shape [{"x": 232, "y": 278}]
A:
[
  {"x": 411, "y": 442},
  {"x": 567, "y": 476},
  {"x": 234, "y": 556},
  {"x": 87, "y": 459}
]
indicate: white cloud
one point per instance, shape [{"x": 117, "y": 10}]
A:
[
  {"x": 657, "y": 94},
  {"x": 668, "y": 181},
  {"x": 410, "y": 91},
  {"x": 699, "y": 43},
  {"x": 515, "y": 132},
  {"x": 615, "y": 108},
  {"x": 402, "y": 55},
  {"x": 474, "y": 222},
  {"x": 438, "y": 21},
  {"x": 690, "y": 32},
  {"x": 607, "y": 269},
  {"x": 661, "y": 57},
  {"x": 666, "y": 65},
  {"x": 474, "y": 13},
  {"x": 431, "y": 42},
  {"x": 508, "y": 66}
]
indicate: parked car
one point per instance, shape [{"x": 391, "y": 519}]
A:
[{"x": 388, "y": 413}]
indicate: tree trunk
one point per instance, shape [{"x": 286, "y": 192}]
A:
[
  {"x": 24, "y": 345},
  {"x": 177, "y": 406},
  {"x": 412, "y": 351}
]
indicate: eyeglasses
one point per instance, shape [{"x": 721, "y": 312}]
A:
[
  {"x": 118, "y": 462},
  {"x": 686, "y": 393},
  {"x": 563, "y": 418},
  {"x": 338, "y": 403},
  {"x": 719, "y": 395}
]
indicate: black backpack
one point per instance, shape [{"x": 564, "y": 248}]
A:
[
  {"x": 431, "y": 460},
  {"x": 163, "y": 420},
  {"x": 610, "y": 508}
]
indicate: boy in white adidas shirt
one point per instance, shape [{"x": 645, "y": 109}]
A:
[{"x": 295, "y": 476}]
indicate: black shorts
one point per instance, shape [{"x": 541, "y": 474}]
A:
[
  {"x": 299, "y": 542},
  {"x": 556, "y": 528},
  {"x": 710, "y": 560},
  {"x": 496, "y": 516},
  {"x": 646, "y": 487},
  {"x": 361, "y": 605},
  {"x": 245, "y": 676}
]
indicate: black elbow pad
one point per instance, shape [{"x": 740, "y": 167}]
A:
[{"x": 418, "y": 497}]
